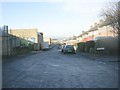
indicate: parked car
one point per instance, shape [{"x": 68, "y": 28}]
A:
[{"x": 68, "y": 49}]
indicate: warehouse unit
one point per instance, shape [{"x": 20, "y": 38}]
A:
[
  {"x": 30, "y": 35},
  {"x": 12, "y": 45}
]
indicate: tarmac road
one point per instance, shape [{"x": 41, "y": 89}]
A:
[{"x": 53, "y": 69}]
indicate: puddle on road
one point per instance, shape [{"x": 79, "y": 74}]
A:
[{"x": 55, "y": 65}]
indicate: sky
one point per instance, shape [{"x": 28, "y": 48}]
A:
[{"x": 55, "y": 18}]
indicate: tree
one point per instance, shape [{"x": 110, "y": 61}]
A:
[{"x": 112, "y": 15}]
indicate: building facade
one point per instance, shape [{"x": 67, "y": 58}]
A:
[
  {"x": 31, "y": 35},
  {"x": 40, "y": 40},
  {"x": 100, "y": 29},
  {"x": 27, "y": 34},
  {"x": 99, "y": 35}
]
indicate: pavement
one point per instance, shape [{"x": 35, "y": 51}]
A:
[{"x": 111, "y": 60}]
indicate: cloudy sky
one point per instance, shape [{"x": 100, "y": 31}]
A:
[{"x": 55, "y": 18}]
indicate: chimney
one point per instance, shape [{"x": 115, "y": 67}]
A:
[
  {"x": 100, "y": 21},
  {"x": 91, "y": 26},
  {"x": 95, "y": 24}
]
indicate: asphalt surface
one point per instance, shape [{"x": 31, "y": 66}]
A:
[{"x": 53, "y": 69}]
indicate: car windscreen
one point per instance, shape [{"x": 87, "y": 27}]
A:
[{"x": 69, "y": 46}]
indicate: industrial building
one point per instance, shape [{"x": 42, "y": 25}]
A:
[
  {"x": 19, "y": 41},
  {"x": 29, "y": 34}
]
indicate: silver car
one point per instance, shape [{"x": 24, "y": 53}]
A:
[{"x": 68, "y": 49}]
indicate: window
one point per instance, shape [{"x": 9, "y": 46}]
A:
[{"x": 32, "y": 40}]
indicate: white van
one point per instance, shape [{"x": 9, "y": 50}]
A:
[{"x": 45, "y": 46}]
